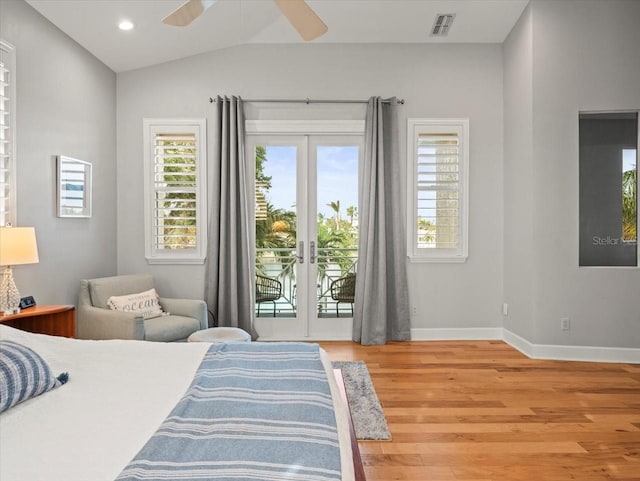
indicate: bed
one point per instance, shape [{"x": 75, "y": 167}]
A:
[{"x": 118, "y": 395}]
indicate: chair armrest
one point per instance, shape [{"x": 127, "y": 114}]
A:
[
  {"x": 187, "y": 308},
  {"x": 98, "y": 323}
]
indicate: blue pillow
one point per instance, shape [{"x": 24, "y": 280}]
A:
[{"x": 23, "y": 375}]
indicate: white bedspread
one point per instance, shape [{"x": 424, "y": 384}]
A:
[{"x": 118, "y": 393}]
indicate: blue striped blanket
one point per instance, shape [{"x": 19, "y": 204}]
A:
[{"x": 255, "y": 411}]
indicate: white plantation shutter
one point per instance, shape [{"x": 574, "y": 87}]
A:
[
  {"x": 7, "y": 135},
  {"x": 438, "y": 190},
  {"x": 175, "y": 194},
  {"x": 174, "y": 184}
]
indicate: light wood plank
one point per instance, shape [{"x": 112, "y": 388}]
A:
[{"x": 482, "y": 411}]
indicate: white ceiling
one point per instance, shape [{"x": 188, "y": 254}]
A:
[{"x": 93, "y": 24}]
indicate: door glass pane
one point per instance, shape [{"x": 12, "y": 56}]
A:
[
  {"x": 337, "y": 229},
  {"x": 276, "y": 219}
]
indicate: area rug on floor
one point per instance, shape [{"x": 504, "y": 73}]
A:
[{"x": 368, "y": 418}]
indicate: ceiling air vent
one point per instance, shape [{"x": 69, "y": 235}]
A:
[{"x": 442, "y": 24}]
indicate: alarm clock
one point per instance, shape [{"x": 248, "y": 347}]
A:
[{"x": 28, "y": 301}]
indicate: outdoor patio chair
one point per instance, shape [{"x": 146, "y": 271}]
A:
[
  {"x": 344, "y": 290},
  {"x": 267, "y": 290}
]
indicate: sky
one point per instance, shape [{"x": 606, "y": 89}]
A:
[
  {"x": 628, "y": 159},
  {"x": 337, "y": 177}
]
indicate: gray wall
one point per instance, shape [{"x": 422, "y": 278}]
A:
[
  {"x": 65, "y": 105},
  {"x": 435, "y": 80},
  {"x": 519, "y": 261},
  {"x": 584, "y": 58}
]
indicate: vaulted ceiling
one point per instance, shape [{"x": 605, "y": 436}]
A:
[{"x": 94, "y": 25}]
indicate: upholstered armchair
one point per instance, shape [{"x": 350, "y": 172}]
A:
[{"x": 95, "y": 320}]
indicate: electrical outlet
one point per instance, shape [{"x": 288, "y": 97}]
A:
[
  {"x": 565, "y": 325},
  {"x": 414, "y": 311},
  {"x": 505, "y": 309}
]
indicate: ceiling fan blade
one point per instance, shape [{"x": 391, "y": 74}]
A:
[
  {"x": 187, "y": 12},
  {"x": 303, "y": 18}
]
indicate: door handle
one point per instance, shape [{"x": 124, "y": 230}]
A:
[
  {"x": 301, "y": 252},
  {"x": 312, "y": 253}
]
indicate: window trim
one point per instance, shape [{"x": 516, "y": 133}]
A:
[
  {"x": 415, "y": 254},
  {"x": 158, "y": 256},
  {"x": 12, "y": 199}
]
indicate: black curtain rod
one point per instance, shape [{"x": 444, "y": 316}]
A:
[{"x": 311, "y": 101}]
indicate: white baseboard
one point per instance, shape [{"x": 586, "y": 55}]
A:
[
  {"x": 456, "y": 334},
  {"x": 517, "y": 342},
  {"x": 572, "y": 353},
  {"x": 534, "y": 351},
  {"x": 304, "y": 339}
]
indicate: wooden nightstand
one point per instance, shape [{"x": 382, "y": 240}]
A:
[{"x": 47, "y": 319}]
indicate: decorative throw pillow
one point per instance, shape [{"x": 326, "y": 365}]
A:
[
  {"x": 23, "y": 375},
  {"x": 144, "y": 303}
]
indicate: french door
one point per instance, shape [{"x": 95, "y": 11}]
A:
[{"x": 305, "y": 213}]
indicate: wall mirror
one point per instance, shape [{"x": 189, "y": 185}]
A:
[{"x": 73, "y": 187}]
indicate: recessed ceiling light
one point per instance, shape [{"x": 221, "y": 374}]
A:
[{"x": 126, "y": 25}]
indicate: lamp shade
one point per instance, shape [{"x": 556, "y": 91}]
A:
[{"x": 18, "y": 246}]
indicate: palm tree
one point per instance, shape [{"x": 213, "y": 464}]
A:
[
  {"x": 629, "y": 207},
  {"x": 331, "y": 243},
  {"x": 426, "y": 231},
  {"x": 277, "y": 229},
  {"x": 351, "y": 212},
  {"x": 336, "y": 207},
  {"x": 276, "y": 240}
]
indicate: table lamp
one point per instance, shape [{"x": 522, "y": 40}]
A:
[{"x": 17, "y": 246}]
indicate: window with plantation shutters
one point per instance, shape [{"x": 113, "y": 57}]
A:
[
  {"x": 175, "y": 195},
  {"x": 7, "y": 135},
  {"x": 438, "y": 190}
]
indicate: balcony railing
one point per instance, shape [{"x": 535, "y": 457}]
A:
[{"x": 280, "y": 264}]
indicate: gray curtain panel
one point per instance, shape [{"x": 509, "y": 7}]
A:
[
  {"x": 381, "y": 309},
  {"x": 228, "y": 282}
]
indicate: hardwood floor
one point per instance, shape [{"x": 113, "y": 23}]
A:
[{"x": 482, "y": 411}]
